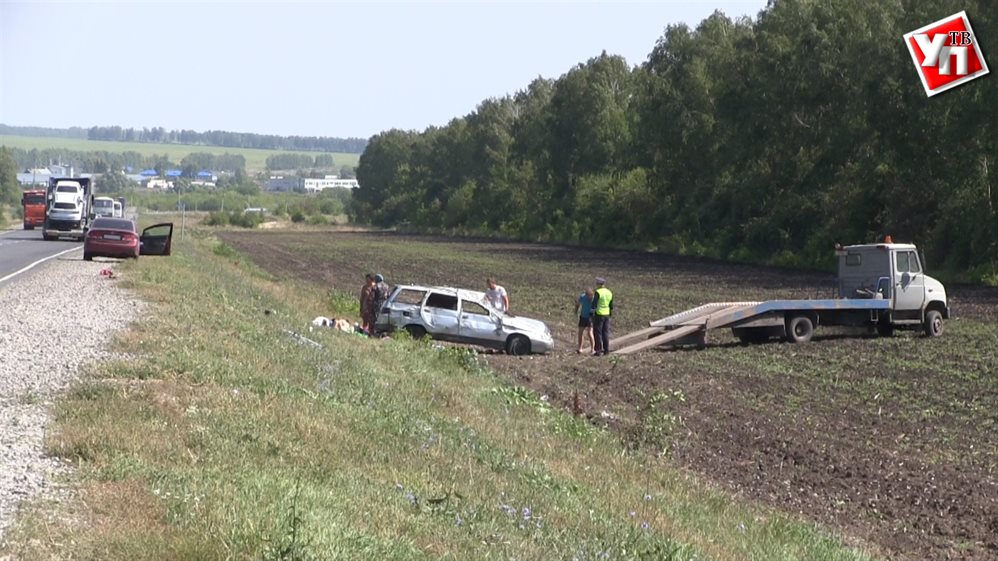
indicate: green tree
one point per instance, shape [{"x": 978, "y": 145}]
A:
[
  {"x": 10, "y": 189},
  {"x": 113, "y": 181}
]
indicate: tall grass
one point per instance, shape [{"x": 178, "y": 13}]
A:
[{"x": 237, "y": 432}]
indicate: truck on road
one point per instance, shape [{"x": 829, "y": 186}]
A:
[
  {"x": 33, "y": 208},
  {"x": 104, "y": 206},
  {"x": 68, "y": 207},
  {"x": 881, "y": 286}
]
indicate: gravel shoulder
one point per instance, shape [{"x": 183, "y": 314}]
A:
[{"x": 43, "y": 345}]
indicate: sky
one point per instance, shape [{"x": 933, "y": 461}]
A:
[{"x": 310, "y": 68}]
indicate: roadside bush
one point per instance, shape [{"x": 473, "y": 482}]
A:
[
  {"x": 297, "y": 216},
  {"x": 235, "y": 218},
  {"x": 223, "y": 249},
  {"x": 318, "y": 220},
  {"x": 246, "y": 219},
  {"x": 330, "y": 206},
  {"x": 217, "y": 219}
]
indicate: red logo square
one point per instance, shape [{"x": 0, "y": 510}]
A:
[{"x": 946, "y": 53}]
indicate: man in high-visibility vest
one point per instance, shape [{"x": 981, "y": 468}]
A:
[{"x": 602, "y": 309}]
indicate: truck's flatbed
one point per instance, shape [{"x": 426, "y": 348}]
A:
[
  {"x": 814, "y": 305},
  {"x": 715, "y": 315}
]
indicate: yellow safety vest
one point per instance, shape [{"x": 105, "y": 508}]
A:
[{"x": 603, "y": 303}]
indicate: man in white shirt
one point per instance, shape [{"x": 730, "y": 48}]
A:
[{"x": 496, "y": 295}]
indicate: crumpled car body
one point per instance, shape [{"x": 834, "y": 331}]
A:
[{"x": 461, "y": 316}]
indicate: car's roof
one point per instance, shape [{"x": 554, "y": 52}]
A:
[
  {"x": 113, "y": 224},
  {"x": 463, "y": 293}
]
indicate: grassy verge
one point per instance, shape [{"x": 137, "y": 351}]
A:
[{"x": 229, "y": 437}]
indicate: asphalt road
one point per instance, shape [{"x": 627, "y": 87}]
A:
[{"x": 25, "y": 248}]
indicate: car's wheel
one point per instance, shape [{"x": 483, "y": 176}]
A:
[
  {"x": 28, "y": 227},
  {"x": 88, "y": 257},
  {"x": 518, "y": 345},
  {"x": 416, "y": 331},
  {"x": 799, "y": 329},
  {"x": 933, "y": 325}
]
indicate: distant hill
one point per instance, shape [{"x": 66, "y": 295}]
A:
[{"x": 226, "y": 139}]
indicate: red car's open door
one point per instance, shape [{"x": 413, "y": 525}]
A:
[{"x": 156, "y": 239}]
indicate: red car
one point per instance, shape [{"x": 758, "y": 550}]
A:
[{"x": 117, "y": 237}]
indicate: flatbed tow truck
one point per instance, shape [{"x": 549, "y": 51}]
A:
[{"x": 881, "y": 286}]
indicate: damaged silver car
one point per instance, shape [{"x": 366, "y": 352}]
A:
[{"x": 461, "y": 316}]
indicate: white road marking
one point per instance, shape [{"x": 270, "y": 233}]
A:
[{"x": 40, "y": 261}]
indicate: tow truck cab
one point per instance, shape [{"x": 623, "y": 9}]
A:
[{"x": 895, "y": 272}]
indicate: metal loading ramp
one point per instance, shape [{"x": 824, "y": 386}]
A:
[{"x": 687, "y": 327}]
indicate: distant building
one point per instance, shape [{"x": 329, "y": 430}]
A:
[
  {"x": 40, "y": 176},
  {"x": 329, "y": 182},
  {"x": 37, "y": 176},
  {"x": 159, "y": 184}
]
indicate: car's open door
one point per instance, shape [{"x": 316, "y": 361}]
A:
[{"x": 156, "y": 239}]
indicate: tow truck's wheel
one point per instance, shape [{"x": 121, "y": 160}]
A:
[
  {"x": 933, "y": 325},
  {"x": 799, "y": 329},
  {"x": 415, "y": 331},
  {"x": 518, "y": 345},
  {"x": 88, "y": 257},
  {"x": 885, "y": 328}
]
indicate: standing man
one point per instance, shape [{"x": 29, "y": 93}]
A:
[
  {"x": 602, "y": 309},
  {"x": 497, "y": 297},
  {"x": 367, "y": 303},
  {"x": 584, "y": 309},
  {"x": 381, "y": 294}
]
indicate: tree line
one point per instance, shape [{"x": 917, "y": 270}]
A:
[
  {"x": 299, "y": 161},
  {"x": 228, "y": 139},
  {"x": 765, "y": 140},
  {"x": 101, "y": 161},
  {"x": 71, "y": 132}
]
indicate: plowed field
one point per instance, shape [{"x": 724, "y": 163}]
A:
[{"x": 894, "y": 441}]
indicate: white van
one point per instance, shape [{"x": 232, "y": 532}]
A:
[
  {"x": 119, "y": 211},
  {"x": 104, "y": 206}
]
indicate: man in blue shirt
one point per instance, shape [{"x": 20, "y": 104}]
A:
[{"x": 584, "y": 308}]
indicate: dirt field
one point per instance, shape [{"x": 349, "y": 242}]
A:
[{"x": 894, "y": 441}]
